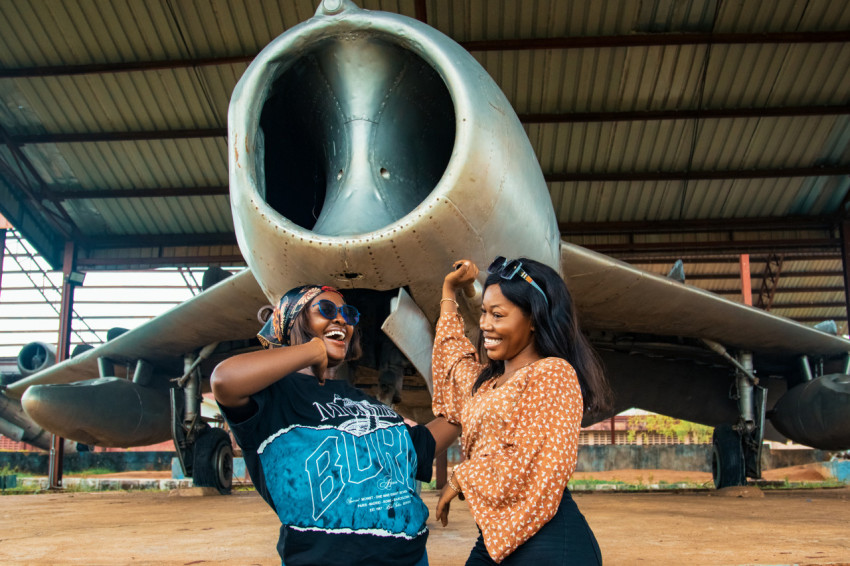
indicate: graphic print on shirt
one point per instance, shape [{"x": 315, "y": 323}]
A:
[{"x": 352, "y": 472}]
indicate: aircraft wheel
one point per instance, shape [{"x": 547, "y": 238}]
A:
[
  {"x": 213, "y": 461},
  {"x": 727, "y": 462}
]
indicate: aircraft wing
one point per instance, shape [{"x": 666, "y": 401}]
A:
[
  {"x": 613, "y": 295},
  {"x": 226, "y": 311}
]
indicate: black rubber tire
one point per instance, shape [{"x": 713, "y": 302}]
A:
[
  {"x": 212, "y": 465},
  {"x": 727, "y": 461}
]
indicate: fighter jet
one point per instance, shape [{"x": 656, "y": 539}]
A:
[{"x": 369, "y": 151}]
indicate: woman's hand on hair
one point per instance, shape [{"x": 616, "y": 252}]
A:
[
  {"x": 463, "y": 274},
  {"x": 320, "y": 365}
]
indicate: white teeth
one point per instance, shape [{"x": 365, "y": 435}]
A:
[
  {"x": 492, "y": 341},
  {"x": 335, "y": 335}
]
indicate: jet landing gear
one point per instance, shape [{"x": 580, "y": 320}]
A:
[
  {"x": 736, "y": 449},
  {"x": 212, "y": 464},
  {"x": 205, "y": 453},
  {"x": 727, "y": 458}
]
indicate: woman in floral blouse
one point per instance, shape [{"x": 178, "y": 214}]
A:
[{"x": 520, "y": 411}]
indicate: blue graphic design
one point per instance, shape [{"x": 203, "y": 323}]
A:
[
  {"x": 325, "y": 474},
  {"x": 335, "y": 480}
]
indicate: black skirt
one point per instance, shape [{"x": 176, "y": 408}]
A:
[{"x": 565, "y": 539}]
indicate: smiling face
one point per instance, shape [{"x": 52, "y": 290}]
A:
[
  {"x": 335, "y": 333},
  {"x": 507, "y": 331}
]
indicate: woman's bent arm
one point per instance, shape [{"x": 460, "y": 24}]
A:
[
  {"x": 235, "y": 379},
  {"x": 444, "y": 433}
]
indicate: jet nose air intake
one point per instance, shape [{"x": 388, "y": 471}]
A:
[{"x": 357, "y": 132}]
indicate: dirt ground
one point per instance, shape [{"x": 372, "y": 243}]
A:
[
  {"x": 698, "y": 528},
  {"x": 803, "y": 473}
]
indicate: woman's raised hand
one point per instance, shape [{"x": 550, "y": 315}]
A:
[{"x": 462, "y": 275}]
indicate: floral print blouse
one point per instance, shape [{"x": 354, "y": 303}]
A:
[{"x": 520, "y": 439}]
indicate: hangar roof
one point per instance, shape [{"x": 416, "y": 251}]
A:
[{"x": 696, "y": 130}]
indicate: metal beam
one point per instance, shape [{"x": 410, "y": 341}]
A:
[
  {"x": 96, "y": 137},
  {"x": 560, "y": 118},
  {"x": 785, "y": 275},
  {"x": 783, "y": 290},
  {"x": 521, "y": 44},
  {"x": 91, "y": 264},
  {"x": 760, "y": 224},
  {"x": 845, "y": 261},
  {"x": 91, "y": 242},
  {"x": 831, "y": 244},
  {"x": 770, "y": 281},
  {"x": 124, "y": 67},
  {"x": 63, "y": 351},
  {"x": 25, "y": 192},
  {"x": 698, "y": 175},
  {"x": 746, "y": 280},
  {"x": 656, "y": 39},
  {"x": 810, "y": 305},
  {"x": 3, "y": 230},
  {"x": 721, "y": 257},
  {"x": 687, "y": 114},
  {"x": 141, "y": 193}
]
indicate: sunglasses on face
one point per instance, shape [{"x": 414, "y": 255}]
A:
[
  {"x": 329, "y": 310},
  {"x": 508, "y": 269}
]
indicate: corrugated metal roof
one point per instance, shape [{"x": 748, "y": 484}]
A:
[{"x": 607, "y": 174}]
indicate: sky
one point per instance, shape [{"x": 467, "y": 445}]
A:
[{"x": 30, "y": 299}]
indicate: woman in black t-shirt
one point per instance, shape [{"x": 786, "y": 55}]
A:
[{"x": 337, "y": 466}]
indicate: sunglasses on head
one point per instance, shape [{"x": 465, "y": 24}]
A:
[
  {"x": 328, "y": 309},
  {"x": 508, "y": 269}
]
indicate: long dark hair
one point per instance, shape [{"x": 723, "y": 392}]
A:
[
  {"x": 301, "y": 334},
  {"x": 557, "y": 333}
]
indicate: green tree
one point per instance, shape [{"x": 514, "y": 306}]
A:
[{"x": 641, "y": 425}]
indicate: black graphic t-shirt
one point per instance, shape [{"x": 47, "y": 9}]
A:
[{"x": 339, "y": 469}]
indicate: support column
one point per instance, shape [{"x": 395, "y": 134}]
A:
[
  {"x": 3, "y": 231},
  {"x": 5, "y": 227},
  {"x": 57, "y": 448},
  {"x": 746, "y": 283},
  {"x": 845, "y": 264}
]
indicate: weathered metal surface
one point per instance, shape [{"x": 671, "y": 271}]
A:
[
  {"x": 108, "y": 411},
  {"x": 816, "y": 413},
  {"x": 401, "y": 153},
  {"x": 413, "y": 333},
  {"x": 613, "y": 295}
]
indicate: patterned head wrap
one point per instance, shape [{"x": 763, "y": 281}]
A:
[{"x": 275, "y": 331}]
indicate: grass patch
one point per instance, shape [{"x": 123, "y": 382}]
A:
[
  {"x": 22, "y": 490},
  {"x": 828, "y": 483},
  {"x": 590, "y": 482},
  {"x": 7, "y": 471},
  {"x": 93, "y": 472}
]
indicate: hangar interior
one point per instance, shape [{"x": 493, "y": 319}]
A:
[
  {"x": 710, "y": 131},
  {"x": 696, "y": 130}
]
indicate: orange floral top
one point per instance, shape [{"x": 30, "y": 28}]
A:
[{"x": 520, "y": 439}]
